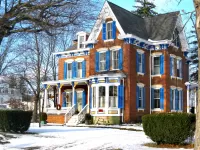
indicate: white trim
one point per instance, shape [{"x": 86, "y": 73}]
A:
[
  {"x": 179, "y": 78},
  {"x": 156, "y": 109},
  {"x": 102, "y": 49},
  {"x": 72, "y": 51},
  {"x": 68, "y": 90},
  {"x": 173, "y": 87},
  {"x": 140, "y": 84},
  {"x": 157, "y": 86},
  {"x": 178, "y": 57},
  {"x": 140, "y": 73},
  {"x": 79, "y": 59},
  {"x": 140, "y": 51},
  {"x": 179, "y": 88},
  {"x": 156, "y": 75},
  {"x": 172, "y": 55},
  {"x": 79, "y": 90},
  {"x": 109, "y": 40},
  {"x": 115, "y": 48},
  {"x": 69, "y": 60},
  {"x": 156, "y": 54}
]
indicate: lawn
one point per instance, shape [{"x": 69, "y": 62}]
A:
[{"x": 78, "y": 138}]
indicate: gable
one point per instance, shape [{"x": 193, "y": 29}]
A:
[{"x": 105, "y": 13}]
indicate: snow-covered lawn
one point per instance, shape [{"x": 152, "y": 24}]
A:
[{"x": 78, "y": 138}]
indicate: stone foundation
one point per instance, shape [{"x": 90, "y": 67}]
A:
[{"x": 106, "y": 119}]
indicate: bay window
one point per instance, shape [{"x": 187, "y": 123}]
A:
[
  {"x": 94, "y": 97},
  {"x": 113, "y": 93},
  {"x": 102, "y": 94}
]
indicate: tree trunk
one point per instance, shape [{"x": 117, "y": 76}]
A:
[
  {"x": 197, "y": 132},
  {"x": 34, "y": 119}
]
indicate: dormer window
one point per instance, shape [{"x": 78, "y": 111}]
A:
[
  {"x": 81, "y": 40},
  {"x": 176, "y": 39},
  {"x": 81, "y": 36}
]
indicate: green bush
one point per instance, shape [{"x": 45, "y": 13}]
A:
[
  {"x": 169, "y": 128},
  {"x": 15, "y": 120},
  {"x": 88, "y": 119},
  {"x": 43, "y": 117}
]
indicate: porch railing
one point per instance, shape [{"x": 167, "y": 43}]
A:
[
  {"x": 70, "y": 113},
  {"x": 81, "y": 115}
]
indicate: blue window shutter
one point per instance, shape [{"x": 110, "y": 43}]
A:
[
  {"x": 83, "y": 99},
  {"x": 74, "y": 69},
  {"x": 143, "y": 63},
  {"x": 144, "y": 97},
  {"x": 171, "y": 100},
  {"x": 137, "y": 60},
  {"x": 107, "y": 60},
  {"x": 176, "y": 100},
  {"x": 152, "y": 98},
  {"x": 121, "y": 59},
  {"x": 171, "y": 59},
  {"x": 137, "y": 97},
  {"x": 90, "y": 98},
  {"x": 162, "y": 98},
  {"x": 65, "y": 71},
  {"x": 161, "y": 64},
  {"x": 64, "y": 100},
  {"x": 114, "y": 29},
  {"x": 97, "y": 61},
  {"x": 84, "y": 69},
  {"x": 75, "y": 98},
  {"x": 120, "y": 96},
  {"x": 104, "y": 31}
]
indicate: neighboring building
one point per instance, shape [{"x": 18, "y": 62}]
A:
[
  {"x": 107, "y": 73},
  {"x": 7, "y": 93}
]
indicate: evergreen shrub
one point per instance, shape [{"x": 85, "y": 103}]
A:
[
  {"x": 43, "y": 117},
  {"x": 169, "y": 128},
  {"x": 15, "y": 120}
]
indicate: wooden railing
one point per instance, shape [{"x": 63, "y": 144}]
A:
[
  {"x": 81, "y": 115},
  {"x": 70, "y": 113}
]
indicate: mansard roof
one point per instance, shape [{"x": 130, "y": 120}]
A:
[{"x": 159, "y": 27}]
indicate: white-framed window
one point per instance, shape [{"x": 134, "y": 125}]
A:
[
  {"x": 173, "y": 96},
  {"x": 156, "y": 65},
  {"x": 81, "y": 40},
  {"x": 109, "y": 30},
  {"x": 69, "y": 70},
  {"x": 79, "y": 70},
  {"x": 140, "y": 97},
  {"x": 102, "y": 96},
  {"x": 140, "y": 62},
  {"x": 113, "y": 96},
  {"x": 179, "y": 100},
  {"x": 115, "y": 59},
  {"x": 156, "y": 98},
  {"x": 102, "y": 61},
  {"x": 93, "y": 97}
]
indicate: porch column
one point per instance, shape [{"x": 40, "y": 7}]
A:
[
  {"x": 73, "y": 93},
  {"x": 188, "y": 96},
  {"x": 195, "y": 101},
  {"x": 88, "y": 97},
  {"x": 45, "y": 98},
  {"x": 59, "y": 93}
]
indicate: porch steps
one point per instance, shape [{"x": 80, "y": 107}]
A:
[{"x": 73, "y": 120}]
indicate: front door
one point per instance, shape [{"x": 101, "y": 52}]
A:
[{"x": 79, "y": 101}]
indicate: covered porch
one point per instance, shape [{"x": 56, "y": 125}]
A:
[{"x": 71, "y": 97}]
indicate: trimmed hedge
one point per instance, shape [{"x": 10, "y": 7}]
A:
[
  {"x": 15, "y": 120},
  {"x": 169, "y": 128}
]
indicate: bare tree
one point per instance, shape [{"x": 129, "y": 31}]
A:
[{"x": 35, "y": 16}]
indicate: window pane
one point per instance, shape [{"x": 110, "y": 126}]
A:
[
  {"x": 69, "y": 99},
  {"x": 81, "y": 39},
  {"x": 115, "y": 61},
  {"x": 102, "y": 61},
  {"x": 101, "y": 96},
  {"x": 109, "y": 30},
  {"x": 156, "y": 98},
  {"x": 94, "y": 97},
  {"x": 156, "y": 60},
  {"x": 113, "y": 96},
  {"x": 79, "y": 69}
]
